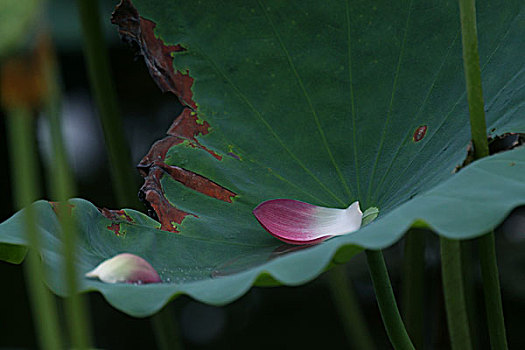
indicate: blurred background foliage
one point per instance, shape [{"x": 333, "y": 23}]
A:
[{"x": 281, "y": 317}]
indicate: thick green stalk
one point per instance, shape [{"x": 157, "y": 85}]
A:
[
  {"x": 413, "y": 304},
  {"x": 491, "y": 288},
  {"x": 166, "y": 329},
  {"x": 469, "y": 267},
  {"x": 478, "y": 128},
  {"x": 105, "y": 95},
  {"x": 387, "y": 302},
  {"x": 472, "y": 69},
  {"x": 454, "y": 294},
  {"x": 349, "y": 310},
  {"x": 61, "y": 184},
  {"x": 24, "y": 176}
]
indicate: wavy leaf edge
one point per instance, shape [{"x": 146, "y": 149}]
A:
[{"x": 333, "y": 251}]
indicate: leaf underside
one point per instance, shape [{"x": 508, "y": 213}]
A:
[{"x": 323, "y": 104}]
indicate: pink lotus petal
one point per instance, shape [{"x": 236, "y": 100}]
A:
[
  {"x": 125, "y": 268},
  {"x": 296, "y": 222}
]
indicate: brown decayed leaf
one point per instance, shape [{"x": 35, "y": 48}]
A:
[{"x": 139, "y": 32}]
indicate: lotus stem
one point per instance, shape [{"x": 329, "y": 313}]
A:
[
  {"x": 413, "y": 287},
  {"x": 166, "y": 329},
  {"x": 478, "y": 126},
  {"x": 387, "y": 303},
  {"x": 24, "y": 175},
  {"x": 491, "y": 288},
  {"x": 61, "y": 184},
  {"x": 454, "y": 294},
  {"x": 487, "y": 250},
  {"x": 349, "y": 310},
  {"x": 106, "y": 98},
  {"x": 469, "y": 267}
]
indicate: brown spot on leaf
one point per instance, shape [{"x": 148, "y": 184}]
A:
[
  {"x": 153, "y": 196},
  {"x": 140, "y": 33},
  {"x": 115, "y": 227},
  {"x": 198, "y": 183},
  {"x": 157, "y": 152},
  {"x": 56, "y": 207},
  {"x": 419, "y": 133},
  {"x": 152, "y": 167},
  {"x": 159, "y": 57},
  {"x": 155, "y": 159},
  {"x": 116, "y": 215},
  {"x": 184, "y": 128},
  {"x": 187, "y": 126}
]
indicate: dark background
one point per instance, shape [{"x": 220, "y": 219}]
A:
[{"x": 277, "y": 318}]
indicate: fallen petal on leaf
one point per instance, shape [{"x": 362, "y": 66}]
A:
[
  {"x": 125, "y": 268},
  {"x": 297, "y": 222}
]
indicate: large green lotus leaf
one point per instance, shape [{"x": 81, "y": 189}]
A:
[{"x": 308, "y": 101}]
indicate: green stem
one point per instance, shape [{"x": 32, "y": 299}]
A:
[
  {"x": 166, "y": 330},
  {"x": 454, "y": 294},
  {"x": 24, "y": 175},
  {"x": 387, "y": 302},
  {"x": 413, "y": 285},
  {"x": 105, "y": 95},
  {"x": 489, "y": 273},
  {"x": 469, "y": 37},
  {"x": 478, "y": 128},
  {"x": 349, "y": 310},
  {"x": 469, "y": 268},
  {"x": 61, "y": 184}
]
